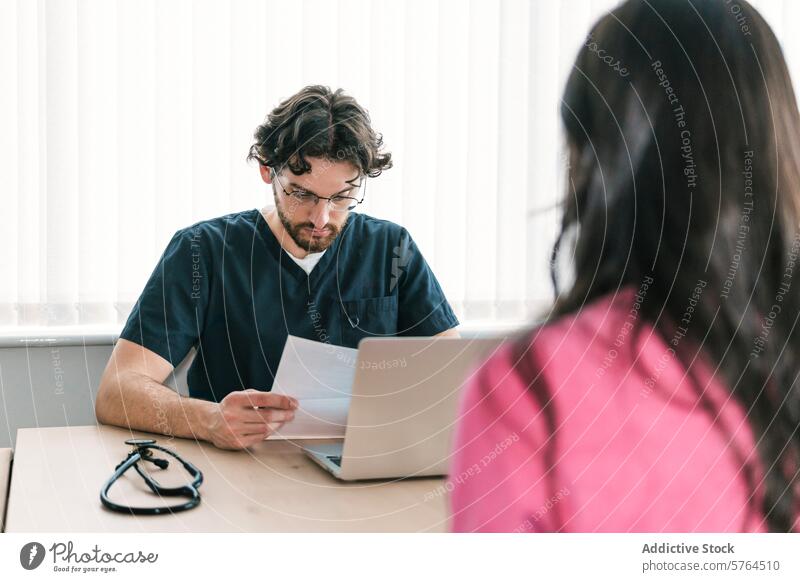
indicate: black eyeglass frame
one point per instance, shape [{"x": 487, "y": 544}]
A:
[
  {"x": 317, "y": 198},
  {"x": 142, "y": 451}
]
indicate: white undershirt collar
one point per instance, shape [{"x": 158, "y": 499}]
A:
[{"x": 308, "y": 262}]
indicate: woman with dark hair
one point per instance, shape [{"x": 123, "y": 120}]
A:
[{"x": 661, "y": 392}]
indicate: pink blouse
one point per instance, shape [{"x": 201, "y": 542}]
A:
[{"x": 634, "y": 450}]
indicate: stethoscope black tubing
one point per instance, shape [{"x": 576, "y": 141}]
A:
[{"x": 133, "y": 461}]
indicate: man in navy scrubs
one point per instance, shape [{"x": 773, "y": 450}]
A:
[{"x": 234, "y": 287}]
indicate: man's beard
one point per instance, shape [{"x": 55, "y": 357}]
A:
[{"x": 306, "y": 241}]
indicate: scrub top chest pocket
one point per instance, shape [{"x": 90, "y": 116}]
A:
[{"x": 371, "y": 317}]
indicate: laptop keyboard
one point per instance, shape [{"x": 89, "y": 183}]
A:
[{"x": 335, "y": 460}]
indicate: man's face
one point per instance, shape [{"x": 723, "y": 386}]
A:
[{"x": 313, "y": 227}]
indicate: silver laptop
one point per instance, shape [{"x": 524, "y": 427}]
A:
[{"x": 404, "y": 406}]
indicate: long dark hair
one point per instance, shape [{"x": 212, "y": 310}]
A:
[{"x": 684, "y": 167}]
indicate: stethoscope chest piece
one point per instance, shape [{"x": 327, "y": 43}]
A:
[{"x": 140, "y": 442}]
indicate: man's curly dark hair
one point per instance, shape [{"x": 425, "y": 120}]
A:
[{"x": 319, "y": 123}]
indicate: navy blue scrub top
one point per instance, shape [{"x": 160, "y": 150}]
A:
[{"x": 226, "y": 287}]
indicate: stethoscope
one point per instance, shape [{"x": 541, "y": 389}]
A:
[{"x": 142, "y": 452}]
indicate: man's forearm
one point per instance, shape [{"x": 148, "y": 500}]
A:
[{"x": 138, "y": 402}]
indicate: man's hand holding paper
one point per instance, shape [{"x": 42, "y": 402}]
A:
[{"x": 320, "y": 377}]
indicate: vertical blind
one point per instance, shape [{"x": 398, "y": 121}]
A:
[{"x": 122, "y": 121}]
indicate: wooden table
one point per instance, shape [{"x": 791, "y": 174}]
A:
[
  {"x": 58, "y": 473},
  {"x": 5, "y": 476}
]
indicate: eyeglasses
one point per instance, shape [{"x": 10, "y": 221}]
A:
[
  {"x": 141, "y": 452},
  {"x": 337, "y": 202}
]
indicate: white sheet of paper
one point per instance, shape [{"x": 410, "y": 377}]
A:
[{"x": 320, "y": 376}]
